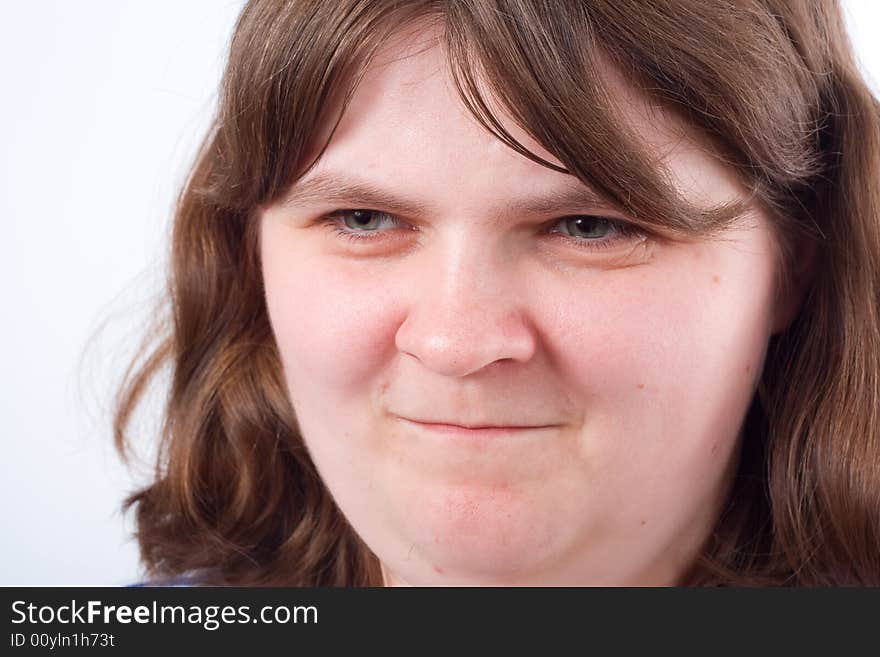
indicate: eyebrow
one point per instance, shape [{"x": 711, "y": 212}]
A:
[{"x": 355, "y": 194}]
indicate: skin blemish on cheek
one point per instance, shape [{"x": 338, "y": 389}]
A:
[
  {"x": 438, "y": 570},
  {"x": 641, "y": 386},
  {"x": 716, "y": 280}
]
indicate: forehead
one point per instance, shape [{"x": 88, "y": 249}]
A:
[{"x": 406, "y": 125}]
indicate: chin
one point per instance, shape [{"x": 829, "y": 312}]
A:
[{"x": 480, "y": 537}]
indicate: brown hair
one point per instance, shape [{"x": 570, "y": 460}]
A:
[{"x": 771, "y": 83}]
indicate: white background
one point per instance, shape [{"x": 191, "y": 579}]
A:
[{"x": 103, "y": 105}]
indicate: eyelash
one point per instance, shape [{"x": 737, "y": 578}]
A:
[{"x": 623, "y": 230}]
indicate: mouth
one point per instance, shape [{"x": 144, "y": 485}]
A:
[{"x": 482, "y": 431}]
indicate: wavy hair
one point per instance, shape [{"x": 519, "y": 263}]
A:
[{"x": 773, "y": 84}]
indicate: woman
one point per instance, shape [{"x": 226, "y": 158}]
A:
[{"x": 499, "y": 293}]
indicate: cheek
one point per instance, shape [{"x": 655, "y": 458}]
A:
[
  {"x": 667, "y": 359},
  {"x": 642, "y": 331},
  {"x": 330, "y": 324}
]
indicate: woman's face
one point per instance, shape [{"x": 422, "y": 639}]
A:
[{"x": 496, "y": 386}]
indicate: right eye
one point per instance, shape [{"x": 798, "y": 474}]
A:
[{"x": 359, "y": 224}]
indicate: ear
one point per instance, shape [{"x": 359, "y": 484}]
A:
[{"x": 790, "y": 296}]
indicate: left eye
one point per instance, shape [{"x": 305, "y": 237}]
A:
[
  {"x": 588, "y": 226},
  {"x": 365, "y": 220}
]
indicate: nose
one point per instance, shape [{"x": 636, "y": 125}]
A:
[{"x": 465, "y": 313}]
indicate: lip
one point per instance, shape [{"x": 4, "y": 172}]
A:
[{"x": 475, "y": 431}]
